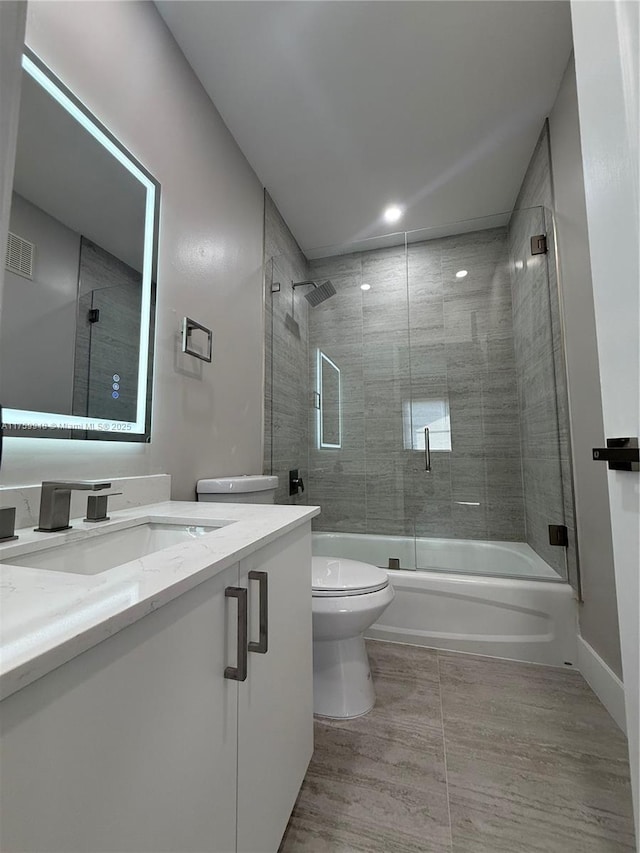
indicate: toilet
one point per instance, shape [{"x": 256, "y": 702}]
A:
[
  {"x": 348, "y": 597},
  {"x": 247, "y": 489}
]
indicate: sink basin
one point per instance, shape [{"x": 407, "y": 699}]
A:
[{"x": 112, "y": 548}]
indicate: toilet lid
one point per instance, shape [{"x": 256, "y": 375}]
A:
[
  {"x": 340, "y": 576},
  {"x": 245, "y": 483}
]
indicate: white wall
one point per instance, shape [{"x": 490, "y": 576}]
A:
[
  {"x": 606, "y": 39},
  {"x": 37, "y": 335},
  {"x": 598, "y": 613},
  {"x": 120, "y": 59}
]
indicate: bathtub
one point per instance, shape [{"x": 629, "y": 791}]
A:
[{"x": 456, "y": 604}]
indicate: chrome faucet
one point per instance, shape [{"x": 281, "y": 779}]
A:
[{"x": 55, "y": 502}]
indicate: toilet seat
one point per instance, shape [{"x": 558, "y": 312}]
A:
[{"x": 339, "y": 576}]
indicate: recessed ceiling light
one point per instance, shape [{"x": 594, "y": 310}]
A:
[
  {"x": 462, "y": 273},
  {"x": 393, "y": 213},
  {"x": 365, "y": 287}
]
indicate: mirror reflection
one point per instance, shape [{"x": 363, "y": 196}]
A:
[
  {"x": 330, "y": 403},
  {"x": 76, "y": 330}
]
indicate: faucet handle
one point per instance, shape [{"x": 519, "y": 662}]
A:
[
  {"x": 7, "y": 524},
  {"x": 55, "y": 502},
  {"x": 97, "y": 507}
]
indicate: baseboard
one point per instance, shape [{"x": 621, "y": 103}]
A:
[{"x": 603, "y": 681}]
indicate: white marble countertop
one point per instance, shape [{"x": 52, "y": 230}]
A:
[{"x": 49, "y": 617}]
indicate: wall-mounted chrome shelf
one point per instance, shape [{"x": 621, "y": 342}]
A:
[{"x": 188, "y": 327}]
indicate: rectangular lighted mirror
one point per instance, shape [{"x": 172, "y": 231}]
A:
[
  {"x": 329, "y": 413},
  {"x": 77, "y": 326}
]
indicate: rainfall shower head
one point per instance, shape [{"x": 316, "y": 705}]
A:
[{"x": 319, "y": 293}]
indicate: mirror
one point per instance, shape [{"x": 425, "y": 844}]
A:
[
  {"x": 78, "y": 308},
  {"x": 329, "y": 394}
]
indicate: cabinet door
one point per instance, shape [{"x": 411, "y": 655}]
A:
[
  {"x": 131, "y": 746},
  {"x": 275, "y": 704}
]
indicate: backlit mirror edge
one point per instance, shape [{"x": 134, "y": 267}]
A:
[{"x": 18, "y": 423}]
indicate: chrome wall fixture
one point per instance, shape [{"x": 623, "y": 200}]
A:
[{"x": 188, "y": 327}]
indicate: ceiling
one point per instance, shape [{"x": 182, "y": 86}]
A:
[{"x": 344, "y": 107}]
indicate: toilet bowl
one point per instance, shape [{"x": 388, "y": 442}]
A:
[{"x": 348, "y": 597}]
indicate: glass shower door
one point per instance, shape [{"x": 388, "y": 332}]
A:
[
  {"x": 483, "y": 401},
  {"x": 427, "y": 409},
  {"x": 386, "y": 372},
  {"x": 360, "y": 381},
  {"x": 542, "y": 391},
  {"x": 287, "y": 392}
]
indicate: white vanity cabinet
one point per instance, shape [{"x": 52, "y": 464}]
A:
[
  {"x": 275, "y": 704},
  {"x": 141, "y": 744}
]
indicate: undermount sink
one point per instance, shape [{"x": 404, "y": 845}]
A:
[{"x": 111, "y": 548}]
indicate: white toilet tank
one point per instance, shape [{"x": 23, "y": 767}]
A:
[{"x": 248, "y": 489}]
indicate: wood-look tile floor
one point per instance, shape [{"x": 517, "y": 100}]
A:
[{"x": 465, "y": 754}]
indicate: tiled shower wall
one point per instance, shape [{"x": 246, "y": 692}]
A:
[
  {"x": 460, "y": 336},
  {"x": 542, "y": 387},
  {"x": 488, "y": 344},
  {"x": 287, "y": 393}
]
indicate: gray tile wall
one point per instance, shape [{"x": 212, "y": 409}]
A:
[
  {"x": 420, "y": 333},
  {"x": 542, "y": 389},
  {"x": 287, "y": 390},
  {"x": 489, "y": 344}
]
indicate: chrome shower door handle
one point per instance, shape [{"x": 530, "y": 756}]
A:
[
  {"x": 262, "y": 646},
  {"x": 427, "y": 450},
  {"x": 239, "y": 672}
]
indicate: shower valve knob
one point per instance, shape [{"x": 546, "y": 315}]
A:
[{"x": 296, "y": 484}]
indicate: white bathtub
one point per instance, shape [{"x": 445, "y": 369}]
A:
[
  {"x": 466, "y": 556},
  {"x": 515, "y": 617}
]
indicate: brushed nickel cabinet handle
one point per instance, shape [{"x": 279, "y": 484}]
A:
[
  {"x": 261, "y": 647},
  {"x": 239, "y": 672}
]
